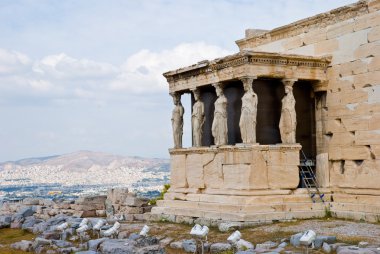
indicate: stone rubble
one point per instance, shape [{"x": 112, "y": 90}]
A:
[
  {"x": 45, "y": 219},
  {"x": 34, "y": 215}
]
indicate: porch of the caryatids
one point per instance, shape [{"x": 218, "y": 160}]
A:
[
  {"x": 288, "y": 120},
  {"x": 219, "y": 123},
  {"x": 248, "y": 115}
]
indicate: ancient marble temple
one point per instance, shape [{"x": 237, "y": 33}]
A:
[{"x": 310, "y": 90}]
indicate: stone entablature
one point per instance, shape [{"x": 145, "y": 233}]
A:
[
  {"x": 305, "y": 25},
  {"x": 239, "y": 167},
  {"x": 248, "y": 63}
]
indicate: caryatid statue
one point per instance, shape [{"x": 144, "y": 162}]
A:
[
  {"x": 248, "y": 115},
  {"x": 177, "y": 120},
  {"x": 288, "y": 120},
  {"x": 197, "y": 118},
  {"x": 219, "y": 124}
]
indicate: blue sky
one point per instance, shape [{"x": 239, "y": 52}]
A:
[{"x": 86, "y": 74}]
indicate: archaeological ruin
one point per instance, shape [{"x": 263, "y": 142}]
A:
[{"x": 288, "y": 127}]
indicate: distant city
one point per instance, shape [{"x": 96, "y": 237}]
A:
[{"x": 81, "y": 173}]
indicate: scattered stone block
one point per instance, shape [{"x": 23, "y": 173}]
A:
[
  {"x": 16, "y": 224},
  {"x": 39, "y": 241},
  {"x": 31, "y": 201},
  {"x": 134, "y": 236},
  {"x": 110, "y": 211},
  {"x": 166, "y": 241},
  {"x": 326, "y": 247},
  {"x": 362, "y": 244},
  {"x": 26, "y": 211},
  {"x": 39, "y": 227},
  {"x": 112, "y": 246},
  {"x": 244, "y": 245},
  {"x": 94, "y": 244},
  {"x": 176, "y": 245},
  {"x": 227, "y": 226},
  {"x": 134, "y": 201},
  {"x": 54, "y": 235},
  {"x": 354, "y": 250},
  {"x": 267, "y": 245},
  {"x": 90, "y": 200},
  {"x": 5, "y": 221},
  {"x": 184, "y": 220},
  {"x": 319, "y": 240},
  {"x": 62, "y": 243},
  {"x": 100, "y": 213},
  {"x": 295, "y": 239},
  {"x": 132, "y": 210},
  {"x": 30, "y": 222},
  {"x": 147, "y": 241},
  {"x": 220, "y": 247},
  {"x": 117, "y": 195},
  {"x": 23, "y": 245},
  {"x": 189, "y": 245}
]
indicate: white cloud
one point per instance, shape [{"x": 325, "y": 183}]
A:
[
  {"x": 12, "y": 62},
  {"x": 61, "y": 76},
  {"x": 41, "y": 85},
  {"x": 62, "y": 66},
  {"x": 142, "y": 72}
]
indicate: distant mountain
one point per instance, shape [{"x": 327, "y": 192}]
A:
[
  {"x": 29, "y": 161},
  {"x": 84, "y": 160},
  {"x": 86, "y": 168}
]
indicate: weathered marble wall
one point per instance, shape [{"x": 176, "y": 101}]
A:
[
  {"x": 254, "y": 167},
  {"x": 348, "y": 118}
]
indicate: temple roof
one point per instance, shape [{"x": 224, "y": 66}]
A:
[{"x": 248, "y": 63}]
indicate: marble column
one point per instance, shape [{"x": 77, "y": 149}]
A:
[
  {"x": 177, "y": 120},
  {"x": 219, "y": 123},
  {"x": 248, "y": 115},
  {"x": 288, "y": 120},
  {"x": 197, "y": 118}
]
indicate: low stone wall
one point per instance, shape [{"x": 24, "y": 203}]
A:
[
  {"x": 125, "y": 205},
  {"x": 225, "y": 168}
]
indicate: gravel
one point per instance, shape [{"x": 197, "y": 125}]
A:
[{"x": 330, "y": 227}]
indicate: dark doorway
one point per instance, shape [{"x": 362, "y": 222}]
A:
[
  {"x": 233, "y": 91},
  {"x": 305, "y": 110},
  {"x": 269, "y": 94},
  {"x": 208, "y": 96}
]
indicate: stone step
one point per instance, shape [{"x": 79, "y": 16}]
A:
[
  {"x": 359, "y": 216},
  {"x": 358, "y": 199},
  {"x": 355, "y": 207},
  {"x": 244, "y": 200},
  {"x": 205, "y": 206},
  {"x": 225, "y": 216}
]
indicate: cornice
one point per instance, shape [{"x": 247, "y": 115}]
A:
[
  {"x": 236, "y": 148},
  {"x": 318, "y": 21},
  {"x": 247, "y": 58}
]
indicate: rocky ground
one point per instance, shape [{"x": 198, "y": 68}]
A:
[
  {"x": 340, "y": 236},
  {"x": 31, "y": 226}
]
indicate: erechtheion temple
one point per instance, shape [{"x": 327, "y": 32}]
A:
[{"x": 288, "y": 127}]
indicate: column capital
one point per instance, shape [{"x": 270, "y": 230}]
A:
[
  {"x": 320, "y": 86},
  {"x": 176, "y": 94},
  {"x": 289, "y": 81},
  {"x": 218, "y": 84},
  {"x": 248, "y": 79}
]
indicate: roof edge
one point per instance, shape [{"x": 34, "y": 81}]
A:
[{"x": 301, "y": 26}]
